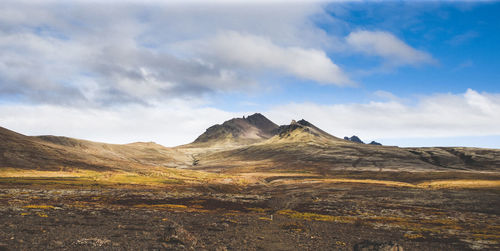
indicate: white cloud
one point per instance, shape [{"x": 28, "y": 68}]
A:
[
  {"x": 175, "y": 123},
  {"x": 384, "y": 44},
  {"x": 99, "y": 54},
  {"x": 470, "y": 114},
  {"x": 440, "y": 115},
  {"x": 260, "y": 53}
]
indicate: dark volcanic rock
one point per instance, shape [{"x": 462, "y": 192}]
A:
[
  {"x": 355, "y": 139},
  {"x": 375, "y": 143}
]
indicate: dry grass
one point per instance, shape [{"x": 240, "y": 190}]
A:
[
  {"x": 439, "y": 184},
  {"x": 316, "y": 217},
  {"x": 453, "y": 184},
  {"x": 78, "y": 177},
  {"x": 160, "y": 177},
  {"x": 169, "y": 206},
  {"x": 39, "y": 207}
]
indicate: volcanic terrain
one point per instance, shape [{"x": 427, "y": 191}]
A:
[{"x": 246, "y": 184}]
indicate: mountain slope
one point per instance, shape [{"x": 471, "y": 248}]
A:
[
  {"x": 303, "y": 146},
  {"x": 52, "y": 153},
  {"x": 251, "y": 129},
  {"x": 242, "y": 143},
  {"x": 300, "y": 131}
]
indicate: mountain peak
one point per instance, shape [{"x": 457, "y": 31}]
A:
[{"x": 253, "y": 128}]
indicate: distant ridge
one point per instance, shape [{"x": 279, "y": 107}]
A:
[{"x": 356, "y": 139}]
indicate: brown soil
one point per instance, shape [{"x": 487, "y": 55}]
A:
[{"x": 304, "y": 217}]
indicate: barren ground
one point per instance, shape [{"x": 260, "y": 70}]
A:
[{"x": 273, "y": 212}]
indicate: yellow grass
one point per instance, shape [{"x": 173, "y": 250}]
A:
[
  {"x": 461, "y": 184},
  {"x": 42, "y": 215},
  {"x": 413, "y": 236},
  {"x": 165, "y": 176},
  {"x": 170, "y": 206},
  {"x": 440, "y": 184},
  {"x": 257, "y": 209},
  {"x": 316, "y": 217},
  {"x": 171, "y": 176},
  {"x": 369, "y": 181},
  {"x": 39, "y": 207}
]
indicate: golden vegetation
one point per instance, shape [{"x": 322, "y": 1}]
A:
[
  {"x": 257, "y": 209},
  {"x": 316, "y": 217},
  {"x": 79, "y": 177},
  {"x": 460, "y": 184},
  {"x": 39, "y": 207},
  {"x": 43, "y": 215},
  {"x": 169, "y": 206},
  {"x": 413, "y": 236},
  {"x": 160, "y": 177}
]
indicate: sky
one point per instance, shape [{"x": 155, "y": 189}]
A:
[{"x": 406, "y": 73}]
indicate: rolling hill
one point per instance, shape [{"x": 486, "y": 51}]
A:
[
  {"x": 242, "y": 144},
  {"x": 55, "y": 153}
]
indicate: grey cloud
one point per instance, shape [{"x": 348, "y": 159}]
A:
[{"x": 101, "y": 54}]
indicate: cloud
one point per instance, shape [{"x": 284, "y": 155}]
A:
[
  {"x": 469, "y": 114},
  {"x": 171, "y": 124},
  {"x": 440, "y": 115},
  {"x": 100, "y": 54},
  {"x": 252, "y": 52},
  {"x": 383, "y": 44}
]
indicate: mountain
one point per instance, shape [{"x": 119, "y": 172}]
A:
[
  {"x": 301, "y": 146},
  {"x": 245, "y": 144},
  {"x": 251, "y": 129},
  {"x": 53, "y": 153}
]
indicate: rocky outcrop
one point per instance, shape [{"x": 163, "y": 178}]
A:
[{"x": 355, "y": 139}]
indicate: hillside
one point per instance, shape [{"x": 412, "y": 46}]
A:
[
  {"x": 247, "y": 130},
  {"x": 247, "y": 142},
  {"x": 55, "y": 153},
  {"x": 303, "y": 146}
]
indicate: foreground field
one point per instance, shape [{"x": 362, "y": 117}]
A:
[{"x": 251, "y": 211}]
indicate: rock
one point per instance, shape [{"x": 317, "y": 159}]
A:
[
  {"x": 58, "y": 243},
  {"x": 218, "y": 226},
  {"x": 377, "y": 246},
  {"x": 355, "y": 139},
  {"x": 94, "y": 242},
  {"x": 375, "y": 143},
  {"x": 177, "y": 237}
]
